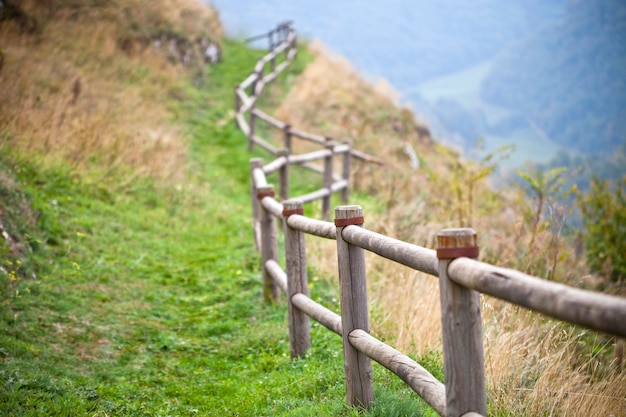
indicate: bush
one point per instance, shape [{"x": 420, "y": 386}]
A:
[{"x": 604, "y": 218}]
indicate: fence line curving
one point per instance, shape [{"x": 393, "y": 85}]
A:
[{"x": 462, "y": 278}]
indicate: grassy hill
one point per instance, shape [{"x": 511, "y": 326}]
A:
[{"x": 129, "y": 281}]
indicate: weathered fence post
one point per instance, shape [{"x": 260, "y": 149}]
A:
[
  {"x": 294, "y": 45},
  {"x": 259, "y": 80},
  {"x": 283, "y": 172},
  {"x": 297, "y": 282},
  {"x": 287, "y": 131},
  {"x": 270, "y": 38},
  {"x": 345, "y": 174},
  {"x": 354, "y": 314},
  {"x": 283, "y": 176},
  {"x": 328, "y": 179},
  {"x": 464, "y": 362},
  {"x": 237, "y": 100},
  {"x": 272, "y": 45},
  {"x": 269, "y": 246},
  {"x": 252, "y": 125},
  {"x": 256, "y": 210}
]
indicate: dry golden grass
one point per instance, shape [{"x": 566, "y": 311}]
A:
[
  {"x": 534, "y": 365},
  {"x": 86, "y": 86}
]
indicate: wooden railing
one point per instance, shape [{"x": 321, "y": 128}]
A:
[
  {"x": 461, "y": 278},
  {"x": 282, "y": 51}
]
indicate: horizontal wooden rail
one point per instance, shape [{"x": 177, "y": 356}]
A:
[
  {"x": 338, "y": 186},
  {"x": 243, "y": 125},
  {"x": 320, "y": 170},
  {"x": 311, "y": 137},
  {"x": 265, "y": 145},
  {"x": 248, "y": 81},
  {"x": 586, "y": 308},
  {"x": 419, "y": 379},
  {"x": 340, "y": 149},
  {"x": 313, "y": 227},
  {"x": 275, "y": 165},
  {"x": 269, "y": 119},
  {"x": 313, "y": 167},
  {"x": 315, "y": 195},
  {"x": 278, "y": 275},
  {"x": 366, "y": 157},
  {"x": 309, "y": 157},
  {"x": 273, "y": 206},
  {"x": 416, "y": 257},
  {"x": 324, "y": 316}
]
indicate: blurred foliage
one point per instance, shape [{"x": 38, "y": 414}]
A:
[
  {"x": 570, "y": 79},
  {"x": 550, "y": 192},
  {"x": 604, "y": 218},
  {"x": 609, "y": 167}
]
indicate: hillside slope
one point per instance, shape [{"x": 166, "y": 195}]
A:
[
  {"x": 129, "y": 282},
  {"x": 129, "y": 285}
]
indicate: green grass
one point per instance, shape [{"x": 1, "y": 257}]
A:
[{"x": 146, "y": 300}]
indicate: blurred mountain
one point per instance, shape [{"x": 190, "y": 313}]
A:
[{"x": 569, "y": 80}]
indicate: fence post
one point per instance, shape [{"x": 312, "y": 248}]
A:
[
  {"x": 287, "y": 130},
  {"x": 328, "y": 179},
  {"x": 237, "y": 100},
  {"x": 256, "y": 210},
  {"x": 354, "y": 315},
  {"x": 269, "y": 246},
  {"x": 270, "y": 37},
  {"x": 259, "y": 80},
  {"x": 464, "y": 362},
  {"x": 345, "y": 193},
  {"x": 283, "y": 173},
  {"x": 283, "y": 176},
  {"x": 297, "y": 282},
  {"x": 252, "y": 125},
  {"x": 272, "y": 45},
  {"x": 294, "y": 45}
]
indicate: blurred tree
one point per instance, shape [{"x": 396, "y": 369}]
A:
[{"x": 604, "y": 218}]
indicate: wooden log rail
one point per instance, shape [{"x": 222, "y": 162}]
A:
[
  {"x": 282, "y": 43},
  {"x": 461, "y": 277}
]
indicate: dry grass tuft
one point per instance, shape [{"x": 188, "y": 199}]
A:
[
  {"x": 88, "y": 81},
  {"x": 534, "y": 365}
]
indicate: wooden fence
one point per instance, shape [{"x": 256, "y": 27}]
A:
[{"x": 461, "y": 278}]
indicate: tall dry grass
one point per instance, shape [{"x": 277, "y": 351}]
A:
[
  {"x": 534, "y": 365},
  {"x": 89, "y": 82}
]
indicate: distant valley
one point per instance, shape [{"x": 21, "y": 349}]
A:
[{"x": 544, "y": 76}]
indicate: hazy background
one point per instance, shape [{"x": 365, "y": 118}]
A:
[{"x": 546, "y": 76}]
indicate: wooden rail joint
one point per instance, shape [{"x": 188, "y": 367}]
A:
[
  {"x": 288, "y": 212},
  {"x": 453, "y": 253},
  {"x": 351, "y": 221},
  {"x": 457, "y": 243},
  {"x": 265, "y": 192}
]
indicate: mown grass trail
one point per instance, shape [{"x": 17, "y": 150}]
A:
[{"x": 146, "y": 298}]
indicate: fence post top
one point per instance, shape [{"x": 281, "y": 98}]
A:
[
  {"x": 292, "y": 207},
  {"x": 287, "y": 127},
  {"x": 456, "y": 243},
  {"x": 347, "y": 215},
  {"x": 256, "y": 162},
  {"x": 265, "y": 191}
]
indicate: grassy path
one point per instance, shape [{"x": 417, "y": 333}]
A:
[{"x": 147, "y": 300}]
